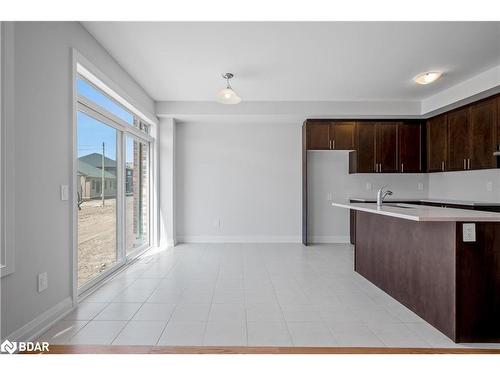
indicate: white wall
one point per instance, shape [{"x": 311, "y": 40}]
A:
[
  {"x": 470, "y": 185},
  {"x": 247, "y": 175},
  {"x": 42, "y": 150},
  {"x": 329, "y": 179}
]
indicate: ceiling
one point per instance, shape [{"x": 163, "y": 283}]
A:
[{"x": 299, "y": 61}]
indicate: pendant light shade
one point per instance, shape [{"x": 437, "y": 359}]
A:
[{"x": 228, "y": 95}]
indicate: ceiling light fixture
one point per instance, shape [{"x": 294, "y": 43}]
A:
[
  {"x": 427, "y": 77},
  {"x": 227, "y": 95}
]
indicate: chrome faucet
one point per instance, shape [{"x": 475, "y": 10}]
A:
[{"x": 381, "y": 194}]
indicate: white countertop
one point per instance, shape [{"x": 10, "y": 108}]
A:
[
  {"x": 430, "y": 200},
  {"x": 422, "y": 213}
]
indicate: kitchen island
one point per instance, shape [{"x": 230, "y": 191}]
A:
[{"x": 442, "y": 263}]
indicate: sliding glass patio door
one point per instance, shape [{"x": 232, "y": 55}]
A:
[
  {"x": 113, "y": 151},
  {"x": 98, "y": 206}
]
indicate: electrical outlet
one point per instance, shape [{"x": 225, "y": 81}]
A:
[
  {"x": 420, "y": 186},
  {"x": 368, "y": 186},
  {"x": 329, "y": 197},
  {"x": 469, "y": 232},
  {"x": 489, "y": 186},
  {"x": 42, "y": 282}
]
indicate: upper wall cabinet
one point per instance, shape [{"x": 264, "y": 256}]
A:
[
  {"x": 386, "y": 147},
  {"x": 437, "y": 144},
  {"x": 465, "y": 138},
  {"x": 410, "y": 147},
  {"x": 381, "y": 147},
  {"x": 318, "y": 135},
  {"x": 364, "y": 159},
  {"x": 459, "y": 136},
  {"x": 324, "y": 135},
  {"x": 483, "y": 131}
]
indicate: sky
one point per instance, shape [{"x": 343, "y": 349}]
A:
[{"x": 92, "y": 133}]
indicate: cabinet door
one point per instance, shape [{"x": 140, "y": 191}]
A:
[
  {"x": 409, "y": 144},
  {"x": 387, "y": 147},
  {"x": 458, "y": 139},
  {"x": 342, "y": 135},
  {"x": 410, "y": 147},
  {"x": 498, "y": 122},
  {"x": 483, "y": 124},
  {"x": 437, "y": 144},
  {"x": 318, "y": 136},
  {"x": 365, "y": 147}
]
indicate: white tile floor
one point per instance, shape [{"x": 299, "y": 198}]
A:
[{"x": 245, "y": 294}]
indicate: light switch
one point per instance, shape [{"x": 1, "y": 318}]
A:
[
  {"x": 469, "y": 232},
  {"x": 42, "y": 282},
  {"x": 64, "y": 192}
]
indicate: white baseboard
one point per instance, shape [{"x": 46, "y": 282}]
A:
[
  {"x": 329, "y": 239},
  {"x": 239, "y": 239},
  {"x": 43, "y": 322}
]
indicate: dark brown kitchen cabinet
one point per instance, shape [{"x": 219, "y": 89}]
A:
[
  {"x": 410, "y": 147},
  {"x": 318, "y": 135},
  {"x": 498, "y": 122},
  {"x": 342, "y": 135},
  {"x": 458, "y": 140},
  {"x": 483, "y": 134},
  {"x": 386, "y": 147},
  {"x": 365, "y": 148},
  {"x": 325, "y": 135},
  {"x": 437, "y": 144},
  {"x": 376, "y": 148}
]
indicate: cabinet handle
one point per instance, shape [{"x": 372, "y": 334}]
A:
[
  {"x": 330, "y": 145},
  {"x": 333, "y": 144},
  {"x": 402, "y": 168},
  {"x": 465, "y": 164},
  {"x": 442, "y": 165},
  {"x": 468, "y": 163}
]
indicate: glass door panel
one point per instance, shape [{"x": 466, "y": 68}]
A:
[
  {"x": 137, "y": 194},
  {"x": 97, "y": 193}
]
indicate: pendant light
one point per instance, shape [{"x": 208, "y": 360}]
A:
[{"x": 227, "y": 95}]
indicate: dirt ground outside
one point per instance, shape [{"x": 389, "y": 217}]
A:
[{"x": 97, "y": 236}]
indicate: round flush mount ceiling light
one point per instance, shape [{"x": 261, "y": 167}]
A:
[
  {"x": 427, "y": 77},
  {"x": 228, "y": 95}
]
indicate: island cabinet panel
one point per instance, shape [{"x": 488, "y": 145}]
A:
[
  {"x": 437, "y": 144},
  {"x": 418, "y": 270},
  {"x": 342, "y": 135},
  {"x": 387, "y": 147},
  {"x": 365, "y": 148},
  {"x": 318, "y": 136},
  {"x": 483, "y": 131},
  {"x": 459, "y": 144},
  {"x": 452, "y": 284},
  {"x": 410, "y": 147}
]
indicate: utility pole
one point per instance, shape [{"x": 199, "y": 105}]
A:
[{"x": 102, "y": 174}]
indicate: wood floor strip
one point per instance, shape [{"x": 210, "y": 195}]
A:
[{"x": 113, "y": 349}]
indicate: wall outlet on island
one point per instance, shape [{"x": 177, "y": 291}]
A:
[
  {"x": 369, "y": 186},
  {"x": 489, "y": 186},
  {"x": 420, "y": 186},
  {"x": 329, "y": 197},
  {"x": 469, "y": 232}
]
